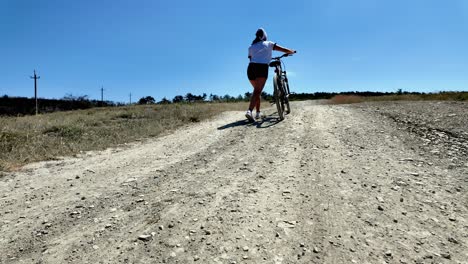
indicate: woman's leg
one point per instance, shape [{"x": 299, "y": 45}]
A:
[
  {"x": 257, "y": 106},
  {"x": 254, "y": 84},
  {"x": 258, "y": 85}
]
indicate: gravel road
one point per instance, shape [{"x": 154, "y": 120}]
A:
[{"x": 364, "y": 183}]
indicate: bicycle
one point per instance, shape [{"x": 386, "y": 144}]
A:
[{"x": 280, "y": 86}]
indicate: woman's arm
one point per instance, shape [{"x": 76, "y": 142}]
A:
[{"x": 283, "y": 49}]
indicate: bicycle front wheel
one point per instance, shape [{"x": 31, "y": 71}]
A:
[
  {"x": 277, "y": 93},
  {"x": 286, "y": 97}
]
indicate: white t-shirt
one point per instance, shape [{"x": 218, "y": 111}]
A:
[{"x": 261, "y": 52}]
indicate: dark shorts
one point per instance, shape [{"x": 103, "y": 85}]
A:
[{"x": 256, "y": 70}]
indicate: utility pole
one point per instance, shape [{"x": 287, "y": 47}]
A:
[
  {"x": 35, "y": 77},
  {"x": 130, "y": 98},
  {"x": 102, "y": 95}
]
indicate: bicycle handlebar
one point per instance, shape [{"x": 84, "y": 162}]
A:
[{"x": 282, "y": 56}]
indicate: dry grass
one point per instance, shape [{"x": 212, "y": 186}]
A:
[
  {"x": 444, "y": 96},
  {"x": 346, "y": 99},
  {"x": 44, "y": 137}
]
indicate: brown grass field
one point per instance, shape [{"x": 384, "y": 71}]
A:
[
  {"x": 443, "y": 96},
  {"x": 48, "y": 136}
]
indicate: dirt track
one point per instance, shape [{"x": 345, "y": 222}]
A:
[{"x": 330, "y": 184}]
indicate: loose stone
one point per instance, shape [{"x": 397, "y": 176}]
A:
[{"x": 145, "y": 237}]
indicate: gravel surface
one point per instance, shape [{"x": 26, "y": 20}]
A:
[
  {"x": 440, "y": 128},
  {"x": 365, "y": 183}
]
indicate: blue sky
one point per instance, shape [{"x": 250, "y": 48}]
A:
[{"x": 168, "y": 48}]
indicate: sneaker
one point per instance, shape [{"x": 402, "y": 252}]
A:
[
  {"x": 259, "y": 115},
  {"x": 249, "y": 116}
]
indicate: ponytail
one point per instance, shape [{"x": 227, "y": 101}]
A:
[{"x": 260, "y": 35}]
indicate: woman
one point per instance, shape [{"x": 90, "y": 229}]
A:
[{"x": 260, "y": 53}]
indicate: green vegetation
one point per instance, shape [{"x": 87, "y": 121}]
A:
[
  {"x": 15, "y": 106},
  {"x": 48, "y": 136}
]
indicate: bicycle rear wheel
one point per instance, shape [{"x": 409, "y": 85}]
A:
[{"x": 277, "y": 93}]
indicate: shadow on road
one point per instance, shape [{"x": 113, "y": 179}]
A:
[
  {"x": 236, "y": 124},
  {"x": 266, "y": 122}
]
